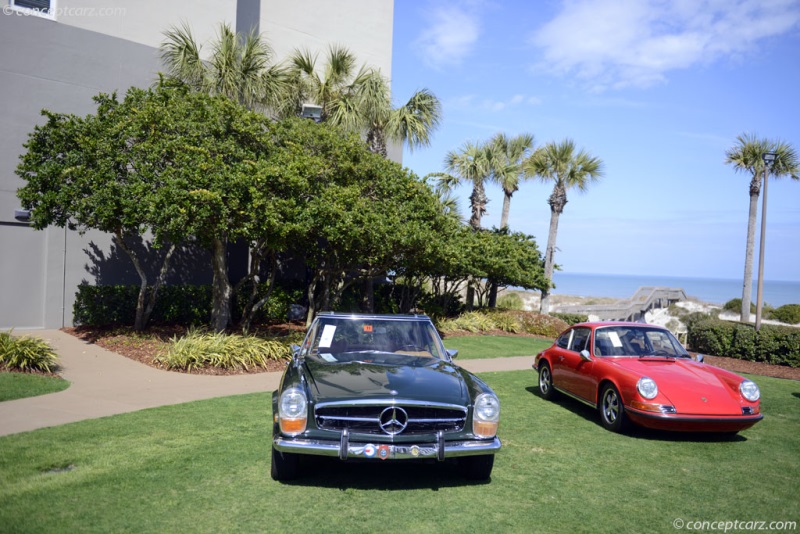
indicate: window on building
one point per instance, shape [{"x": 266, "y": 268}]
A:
[{"x": 43, "y": 8}]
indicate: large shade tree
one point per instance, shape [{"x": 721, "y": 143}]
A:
[
  {"x": 746, "y": 156},
  {"x": 567, "y": 168},
  {"x": 167, "y": 161}
]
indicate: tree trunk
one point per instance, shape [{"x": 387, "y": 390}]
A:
[
  {"x": 549, "y": 259},
  {"x": 221, "y": 287},
  {"x": 162, "y": 275},
  {"x": 747, "y": 288},
  {"x": 368, "y": 295},
  {"x": 506, "y": 209},
  {"x": 139, "y": 322}
]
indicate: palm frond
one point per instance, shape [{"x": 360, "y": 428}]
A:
[{"x": 180, "y": 55}]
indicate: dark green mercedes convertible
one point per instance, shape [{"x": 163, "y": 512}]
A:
[{"x": 381, "y": 387}]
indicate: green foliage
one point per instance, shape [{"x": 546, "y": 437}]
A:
[
  {"x": 510, "y": 301},
  {"x": 735, "y": 306},
  {"x": 180, "y": 304},
  {"x": 26, "y": 354},
  {"x": 571, "y": 318},
  {"x": 507, "y": 321},
  {"x": 778, "y": 345},
  {"x": 788, "y": 314},
  {"x": 198, "y": 350}
]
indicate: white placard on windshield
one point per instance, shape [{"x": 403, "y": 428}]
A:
[
  {"x": 326, "y": 338},
  {"x": 615, "y": 340}
]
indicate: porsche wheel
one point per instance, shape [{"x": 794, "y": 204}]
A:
[
  {"x": 612, "y": 411},
  {"x": 477, "y": 467},
  {"x": 285, "y": 466},
  {"x": 546, "y": 381}
]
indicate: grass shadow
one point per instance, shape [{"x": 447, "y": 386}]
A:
[{"x": 638, "y": 432}]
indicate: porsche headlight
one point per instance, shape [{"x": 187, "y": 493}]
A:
[
  {"x": 485, "y": 416},
  {"x": 647, "y": 387},
  {"x": 293, "y": 411},
  {"x": 749, "y": 390}
]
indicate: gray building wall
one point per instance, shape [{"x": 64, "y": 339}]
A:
[{"x": 95, "y": 46}]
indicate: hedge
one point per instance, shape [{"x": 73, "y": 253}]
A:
[
  {"x": 180, "y": 304},
  {"x": 779, "y": 345}
]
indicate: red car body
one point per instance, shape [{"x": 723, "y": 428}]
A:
[{"x": 612, "y": 366}]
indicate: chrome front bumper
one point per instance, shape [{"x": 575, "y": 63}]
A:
[{"x": 439, "y": 450}]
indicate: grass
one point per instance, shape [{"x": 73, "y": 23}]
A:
[
  {"x": 22, "y": 385},
  {"x": 475, "y": 347},
  {"x": 204, "y": 467}
]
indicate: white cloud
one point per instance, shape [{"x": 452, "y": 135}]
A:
[
  {"x": 450, "y": 37},
  {"x": 473, "y": 102},
  {"x": 619, "y": 43}
]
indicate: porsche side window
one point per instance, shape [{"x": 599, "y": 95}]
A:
[
  {"x": 580, "y": 339},
  {"x": 563, "y": 341}
]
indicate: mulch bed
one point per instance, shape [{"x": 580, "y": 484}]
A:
[{"x": 144, "y": 347}]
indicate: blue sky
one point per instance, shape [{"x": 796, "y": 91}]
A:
[{"x": 656, "y": 89}]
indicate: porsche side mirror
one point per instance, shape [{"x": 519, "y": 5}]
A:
[
  {"x": 700, "y": 358},
  {"x": 295, "y": 350},
  {"x": 585, "y": 356},
  {"x": 452, "y": 353}
]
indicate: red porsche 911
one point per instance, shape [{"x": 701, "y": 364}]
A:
[{"x": 641, "y": 373}]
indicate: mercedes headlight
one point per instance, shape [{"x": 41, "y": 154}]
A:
[
  {"x": 749, "y": 390},
  {"x": 486, "y": 416},
  {"x": 647, "y": 387},
  {"x": 293, "y": 411}
]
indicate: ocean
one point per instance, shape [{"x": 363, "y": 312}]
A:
[{"x": 710, "y": 290}]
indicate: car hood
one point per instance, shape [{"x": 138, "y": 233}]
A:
[
  {"x": 435, "y": 381},
  {"x": 693, "y": 388}
]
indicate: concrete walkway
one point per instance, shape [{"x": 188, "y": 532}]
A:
[{"x": 103, "y": 383}]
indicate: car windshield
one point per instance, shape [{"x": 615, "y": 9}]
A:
[
  {"x": 345, "y": 339},
  {"x": 638, "y": 341}
]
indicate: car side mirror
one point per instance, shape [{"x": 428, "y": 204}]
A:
[
  {"x": 585, "y": 356},
  {"x": 700, "y": 358},
  {"x": 452, "y": 353}
]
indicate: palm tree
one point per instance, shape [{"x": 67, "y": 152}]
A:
[
  {"x": 567, "y": 169},
  {"x": 239, "y": 67},
  {"x": 746, "y": 156},
  {"x": 508, "y": 170},
  {"x": 473, "y": 163},
  {"x": 360, "y": 100}
]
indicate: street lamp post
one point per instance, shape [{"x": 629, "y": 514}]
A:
[{"x": 769, "y": 160}]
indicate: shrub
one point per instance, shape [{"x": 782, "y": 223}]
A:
[
  {"x": 735, "y": 306},
  {"x": 180, "y": 304},
  {"x": 510, "y": 301},
  {"x": 778, "y": 345},
  {"x": 26, "y": 354},
  {"x": 788, "y": 314},
  {"x": 506, "y": 320},
  {"x": 199, "y": 349},
  {"x": 571, "y": 318}
]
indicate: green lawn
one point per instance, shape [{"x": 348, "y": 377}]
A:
[
  {"x": 21, "y": 385},
  {"x": 204, "y": 467},
  {"x": 475, "y": 347}
]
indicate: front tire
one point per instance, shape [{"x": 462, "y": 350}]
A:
[
  {"x": 546, "y": 381},
  {"x": 285, "y": 466},
  {"x": 612, "y": 411},
  {"x": 478, "y": 468}
]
